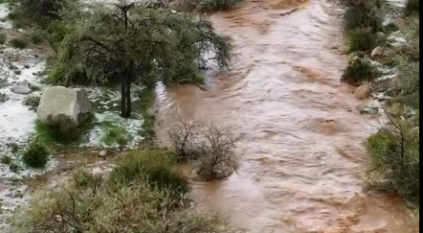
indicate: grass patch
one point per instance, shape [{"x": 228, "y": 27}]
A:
[
  {"x": 358, "y": 71},
  {"x": 35, "y": 37},
  {"x": 92, "y": 202},
  {"x": 35, "y": 155},
  {"x": 52, "y": 134},
  {"x": 156, "y": 167},
  {"x": 6, "y": 160},
  {"x": 18, "y": 43},
  {"x": 115, "y": 134}
]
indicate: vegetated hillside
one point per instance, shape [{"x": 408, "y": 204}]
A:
[{"x": 383, "y": 40}]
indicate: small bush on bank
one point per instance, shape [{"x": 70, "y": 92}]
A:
[
  {"x": 405, "y": 88},
  {"x": 412, "y": 7},
  {"x": 361, "y": 39},
  {"x": 394, "y": 157},
  {"x": 215, "y": 5},
  {"x": 362, "y": 14},
  {"x": 183, "y": 139},
  {"x": 203, "y": 5},
  {"x": 35, "y": 37},
  {"x": 6, "y": 160},
  {"x": 18, "y": 43},
  {"x": 35, "y": 155},
  {"x": 358, "y": 71},
  {"x": 210, "y": 147},
  {"x": 217, "y": 159}
]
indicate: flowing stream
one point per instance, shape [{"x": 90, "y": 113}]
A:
[{"x": 302, "y": 155}]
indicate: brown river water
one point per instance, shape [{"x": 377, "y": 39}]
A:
[{"x": 302, "y": 156}]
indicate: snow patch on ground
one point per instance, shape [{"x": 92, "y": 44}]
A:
[
  {"x": 4, "y": 11},
  {"x": 17, "y": 121},
  {"x": 131, "y": 125}
]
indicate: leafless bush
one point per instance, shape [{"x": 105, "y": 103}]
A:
[
  {"x": 216, "y": 147},
  {"x": 182, "y": 137},
  {"x": 210, "y": 146}
]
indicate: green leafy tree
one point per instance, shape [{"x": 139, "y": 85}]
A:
[{"x": 134, "y": 44}]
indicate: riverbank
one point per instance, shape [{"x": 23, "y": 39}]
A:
[
  {"x": 384, "y": 51},
  {"x": 105, "y": 136}
]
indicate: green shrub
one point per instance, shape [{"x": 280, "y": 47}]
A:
[
  {"x": 412, "y": 7},
  {"x": 405, "y": 88},
  {"x": 154, "y": 166},
  {"x": 13, "y": 167},
  {"x": 3, "y": 98},
  {"x": 18, "y": 43},
  {"x": 215, "y": 5},
  {"x": 3, "y": 38},
  {"x": 362, "y": 14},
  {"x": 361, "y": 39},
  {"x": 358, "y": 71},
  {"x": 394, "y": 157},
  {"x": 35, "y": 37},
  {"x": 40, "y": 12},
  {"x": 35, "y": 155},
  {"x": 6, "y": 160}
]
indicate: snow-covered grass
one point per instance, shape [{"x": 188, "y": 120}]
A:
[{"x": 17, "y": 121}]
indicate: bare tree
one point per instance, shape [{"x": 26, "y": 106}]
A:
[
  {"x": 211, "y": 147},
  {"x": 217, "y": 158},
  {"x": 182, "y": 137}
]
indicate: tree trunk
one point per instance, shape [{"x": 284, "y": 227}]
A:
[
  {"x": 122, "y": 94},
  {"x": 128, "y": 95}
]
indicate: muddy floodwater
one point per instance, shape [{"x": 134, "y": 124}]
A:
[{"x": 302, "y": 155}]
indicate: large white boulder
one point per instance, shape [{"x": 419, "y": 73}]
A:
[{"x": 65, "y": 108}]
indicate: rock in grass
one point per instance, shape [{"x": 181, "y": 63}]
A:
[
  {"x": 103, "y": 153},
  {"x": 377, "y": 52},
  {"x": 363, "y": 92},
  {"x": 369, "y": 109},
  {"x": 22, "y": 88},
  {"x": 64, "y": 108}
]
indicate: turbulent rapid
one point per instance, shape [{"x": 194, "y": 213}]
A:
[{"x": 302, "y": 155}]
